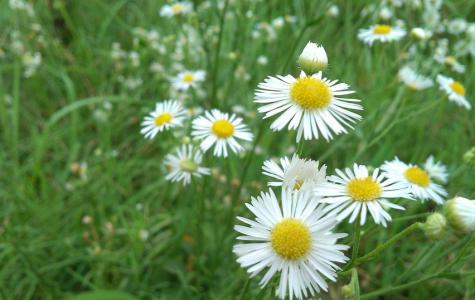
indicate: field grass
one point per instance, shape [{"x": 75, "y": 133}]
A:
[{"x": 119, "y": 225}]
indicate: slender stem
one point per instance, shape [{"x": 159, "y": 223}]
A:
[
  {"x": 300, "y": 148},
  {"x": 218, "y": 49},
  {"x": 389, "y": 243},
  {"x": 356, "y": 245},
  {"x": 399, "y": 287},
  {"x": 249, "y": 160},
  {"x": 441, "y": 274},
  {"x": 244, "y": 290},
  {"x": 356, "y": 239}
]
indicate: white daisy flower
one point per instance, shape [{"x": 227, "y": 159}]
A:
[
  {"x": 293, "y": 238},
  {"x": 222, "y": 130},
  {"x": 436, "y": 169},
  {"x": 186, "y": 79},
  {"x": 382, "y": 33},
  {"x": 176, "y": 9},
  {"x": 414, "y": 80},
  {"x": 451, "y": 61},
  {"x": 296, "y": 174},
  {"x": 311, "y": 104},
  {"x": 461, "y": 214},
  {"x": 355, "y": 192},
  {"x": 167, "y": 114},
  {"x": 184, "y": 164},
  {"x": 421, "y": 184},
  {"x": 454, "y": 89}
]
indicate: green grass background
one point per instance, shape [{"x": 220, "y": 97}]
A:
[{"x": 49, "y": 124}]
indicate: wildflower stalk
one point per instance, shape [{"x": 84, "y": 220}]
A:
[
  {"x": 244, "y": 290},
  {"x": 218, "y": 50},
  {"x": 441, "y": 274},
  {"x": 355, "y": 243},
  {"x": 300, "y": 148},
  {"x": 389, "y": 243},
  {"x": 250, "y": 156}
]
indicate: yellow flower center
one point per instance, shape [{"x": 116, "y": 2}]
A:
[
  {"x": 450, "y": 60},
  {"x": 298, "y": 184},
  {"x": 311, "y": 93},
  {"x": 413, "y": 86},
  {"x": 177, "y": 8},
  {"x": 222, "y": 128},
  {"x": 163, "y": 119},
  {"x": 188, "y": 165},
  {"x": 382, "y": 29},
  {"x": 458, "y": 88},
  {"x": 188, "y": 78},
  {"x": 291, "y": 239},
  {"x": 417, "y": 176},
  {"x": 366, "y": 189}
]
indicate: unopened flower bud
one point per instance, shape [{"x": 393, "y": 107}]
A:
[
  {"x": 420, "y": 33},
  {"x": 460, "y": 213},
  {"x": 313, "y": 58},
  {"x": 469, "y": 157},
  {"x": 347, "y": 291},
  {"x": 435, "y": 226}
]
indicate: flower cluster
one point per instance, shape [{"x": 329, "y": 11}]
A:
[{"x": 294, "y": 236}]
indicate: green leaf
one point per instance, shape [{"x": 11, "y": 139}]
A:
[{"x": 103, "y": 295}]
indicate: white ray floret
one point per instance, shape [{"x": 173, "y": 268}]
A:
[
  {"x": 296, "y": 173},
  {"x": 454, "y": 90},
  {"x": 221, "y": 130},
  {"x": 293, "y": 238},
  {"x": 184, "y": 164},
  {"x": 420, "y": 180},
  {"x": 167, "y": 114},
  {"x": 354, "y": 193},
  {"x": 382, "y": 33},
  {"x": 436, "y": 169},
  {"x": 313, "y": 105}
]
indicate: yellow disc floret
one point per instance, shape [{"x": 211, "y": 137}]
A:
[
  {"x": 291, "y": 239},
  {"x": 417, "y": 176},
  {"x": 222, "y": 128},
  {"x": 163, "y": 119},
  {"x": 298, "y": 184},
  {"x": 188, "y": 165},
  {"x": 458, "y": 88},
  {"x": 188, "y": 78},
  {"x": 382, "y": 29},
  {"x": 177, "y": 8},
  {"x": 311, "y": 93},
  {"x": 363, "y": 189}
]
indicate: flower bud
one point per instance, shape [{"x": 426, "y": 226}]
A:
[
  {"x": 347, "y": 291},
  {"x": 435, "y": 226},
  {"x": 333, "y": 11},
  {"x": 420, "y": 33},
  {"x": 185, "y": 140},
  {"x": 469, "y": 157},
  {"x": 313, "y": 58},
  {"x": 460, "y": 213}
]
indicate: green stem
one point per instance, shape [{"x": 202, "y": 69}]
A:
[
  {"x": 218, "y": 50},
  {"x": 300, "y": 148},
  {"x": 244, "y": 290},
  {"x": 392, "y": 289},
  {"x": 356, "y": 245},
  {"x": 389, "y": 243}
]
